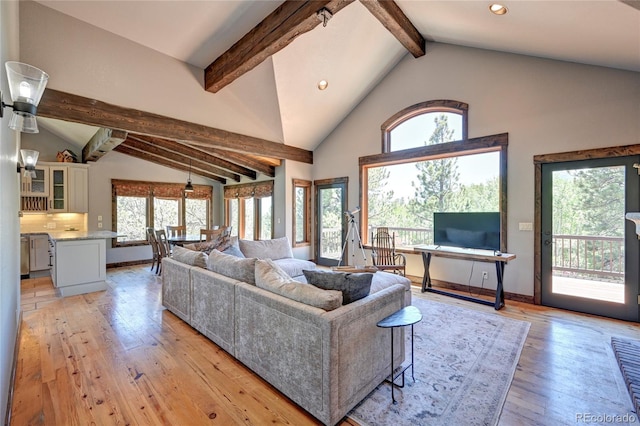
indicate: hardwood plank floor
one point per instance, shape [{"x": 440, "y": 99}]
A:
[{"x": 118, "y": 357}]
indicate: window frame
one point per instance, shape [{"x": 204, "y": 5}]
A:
[
  {"x": 150, "y": 196},
  {"x": 243, "y": 191},
  {"x": 465, "y": 146},
  {"x": 433, "y": 106},
  {"x": 306, "y": 186}
]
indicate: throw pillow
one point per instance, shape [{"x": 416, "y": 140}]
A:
[
  {"x": 219, "y": 242},
  {"x": 232, "y": 266},
  {"x": 190, "y": 257},
  {"x": 354, "y": 286},
  {"x": 277, "y": 248},
  {"x": 271, "y": 277}
]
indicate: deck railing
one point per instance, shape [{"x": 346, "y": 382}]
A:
[
  {"x": 579, "y": 255},
  {"x": 572, "y": 255}
]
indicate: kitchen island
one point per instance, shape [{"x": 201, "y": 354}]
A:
[{"x": 78, "y": 261}]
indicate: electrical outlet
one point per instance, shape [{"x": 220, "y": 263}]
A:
[
  {"x": 485, "y": 275},
  {"x": 100, "y": 225}
]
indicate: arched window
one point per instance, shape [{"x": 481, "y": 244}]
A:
[
  {"x": 429, "y": 165},
  {"x": 414, "y": 126}
]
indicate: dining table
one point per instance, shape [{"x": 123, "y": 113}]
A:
[{"x": 181, "y": 240}]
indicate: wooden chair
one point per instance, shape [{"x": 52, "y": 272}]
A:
[
  {"x": 383, "y": 252},
  {"x": 153, "y": 242},
  {"x": 208, "y": 234},
  {"x": 164, "y": 249},
  {"x": 175, "y": 231}
]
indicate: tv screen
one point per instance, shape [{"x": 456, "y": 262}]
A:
[{"x": 477, "y": 230}]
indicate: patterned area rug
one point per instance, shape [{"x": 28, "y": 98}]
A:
[{"x": 464, "y": 364}]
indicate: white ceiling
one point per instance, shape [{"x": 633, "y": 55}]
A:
[{"x": 354, "y": 51}]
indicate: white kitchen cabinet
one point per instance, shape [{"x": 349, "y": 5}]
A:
[
  {"x": 39, "y": 253},
  {"x": 37, "y": 186},
  {"x": 79, "y": 266},
  {"x": 57, "y": 188},
  {"x": 78, "y": 189}
]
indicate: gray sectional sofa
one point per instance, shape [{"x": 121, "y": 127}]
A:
[{"x": 324, "y": 361}]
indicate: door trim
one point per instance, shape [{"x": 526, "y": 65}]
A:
[
  {"x": 538, "y": 160},
  {"x": 317, "y": 185}
]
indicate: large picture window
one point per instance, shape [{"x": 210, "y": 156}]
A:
[
  {"x": 249, "y": 210},
  {"x": 429, "y": 166},
  {"x": 138, "y": 205}
]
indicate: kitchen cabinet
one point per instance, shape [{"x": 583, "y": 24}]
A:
[
  {"x": 57, "y": 188},
  {"x": 39, "y": 252},
  {"x": 79, "y": 265},
  {"x": 37, "y": 186}
]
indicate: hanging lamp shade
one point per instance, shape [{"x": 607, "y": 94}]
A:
[{"x": 188, "y": 188}]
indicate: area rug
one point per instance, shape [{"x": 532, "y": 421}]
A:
[
  {"x": 464, "y": 363},
  {"x": 627, "y": 354}
]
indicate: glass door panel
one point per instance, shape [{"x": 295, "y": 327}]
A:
[
  {"x": 589, "y": 251},
  {"x": 330, "y": 205}
]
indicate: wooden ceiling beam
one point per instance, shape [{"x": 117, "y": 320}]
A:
[
  {"x": 243, "y": 160},
  {"x": 291, "y": 19},
  {"x": 143, "y": 155},
  {"x": 196, "y": 164},
  {"x": 198, "y": 154},
  {"x": 66, "y": 106},
  {"x": 398, "y": 24},
  {"x": 103, "y": 141}
]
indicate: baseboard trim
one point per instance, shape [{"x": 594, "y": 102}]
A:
[
  {"x": 14, "y": 368},
  {"x": 516, "y": 297},
  {"x": 130, "y": 263}
]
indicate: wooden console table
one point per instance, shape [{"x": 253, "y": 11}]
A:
[{"x": 466, "y": 254}]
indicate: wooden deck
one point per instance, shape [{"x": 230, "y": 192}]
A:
[
  {"x": 118, "y": 357},
  {"x": 590, "y": 289}
]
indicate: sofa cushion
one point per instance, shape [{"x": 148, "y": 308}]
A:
[
  {"x": 277, "y": 248},
  {"x": 354, "y": 286},
  {"x": 294, "y": 267},
  {"x": 190, "y": 257},
  {"x": 241, "y": 269},
  {"x": 271, "y": 277}
]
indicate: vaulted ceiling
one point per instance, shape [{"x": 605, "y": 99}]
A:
[{"x": 288, "y": 43}]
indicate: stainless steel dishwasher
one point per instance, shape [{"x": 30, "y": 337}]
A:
[{"x": 24, "y": 256}]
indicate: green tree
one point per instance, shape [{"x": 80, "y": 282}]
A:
[
  {"x": 380, "y": 202},
  {"x": 437, "y": 179},
  {"x": 601, "y": 195}
]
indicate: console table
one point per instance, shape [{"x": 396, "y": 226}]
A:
[{"x": 489, "y": 256}]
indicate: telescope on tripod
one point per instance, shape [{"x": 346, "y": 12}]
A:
[{"x": 353, "y": 235}]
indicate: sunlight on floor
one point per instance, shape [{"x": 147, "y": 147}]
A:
[{"x": 598, "y": 290}]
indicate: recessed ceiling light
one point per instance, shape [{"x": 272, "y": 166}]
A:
[
  {"x": 323, "y": 84},
  {"x": 498, "y": 9}
]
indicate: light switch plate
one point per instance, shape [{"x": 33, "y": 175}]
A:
[
  {"x": 100, "y": 218},
  {"x": 525, "y": 226}
]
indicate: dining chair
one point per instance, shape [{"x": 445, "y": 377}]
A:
[
  {"x": 153, "y": 242},
  {"x": 164, "y": 248},
  {"x": 175, "y": 231},
  {"x": 383, "y": 252},
  {"x": 209, "y": 234}
]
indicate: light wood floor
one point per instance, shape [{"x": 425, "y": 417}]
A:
[{"x": 117, "y": 357}]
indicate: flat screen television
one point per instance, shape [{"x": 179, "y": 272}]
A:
[{"x": 476, "y": 230}]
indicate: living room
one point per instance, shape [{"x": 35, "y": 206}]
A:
[{"x": 545, "y": 105}]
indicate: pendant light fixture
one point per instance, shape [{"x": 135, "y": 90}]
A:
[{"x": 188, "y": 188}]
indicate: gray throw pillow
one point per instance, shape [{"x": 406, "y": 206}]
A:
[
  {"x": 354, "y": 286},
  {"x": 271, "y": 277},
  {"x": 190, "y": 257},
  {"x": 232, "y": 266}
]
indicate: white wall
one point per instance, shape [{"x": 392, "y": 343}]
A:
[
  {"x": 9, "y": 207},
  {"x": 546, "y": 106}
]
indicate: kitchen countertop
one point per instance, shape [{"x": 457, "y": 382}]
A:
[{"x": 81, "y": 235}]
